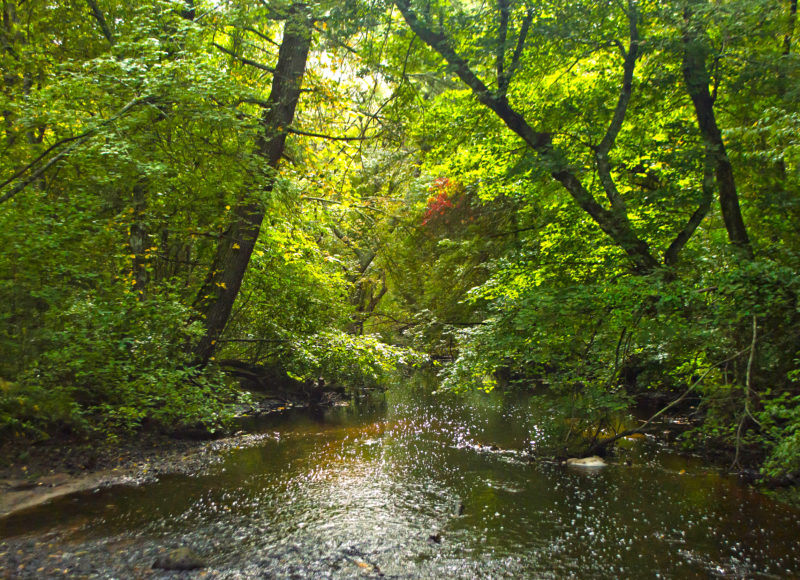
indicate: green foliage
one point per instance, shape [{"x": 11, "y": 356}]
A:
[
  {"x": 429, "y": 221},
  {"x": 555, "y": 304},
  {"x": 109, "y": 365},
  {"x": 111, "y": 361},
  {"x": 780, "y": 421},
  {"x": 353, "y": 361}
]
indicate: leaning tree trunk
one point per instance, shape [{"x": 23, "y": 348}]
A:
[
  {"x": 695, "y": 74},
  {"x": 218, "y": 293}
]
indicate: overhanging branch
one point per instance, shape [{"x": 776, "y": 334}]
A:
[
  {"x": 244, "y": 60},
  {"x": 323, "y": 136},
  {"x": 75, "y": 140}
]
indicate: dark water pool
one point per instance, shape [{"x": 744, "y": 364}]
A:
[{"x": 407, "y": 491}]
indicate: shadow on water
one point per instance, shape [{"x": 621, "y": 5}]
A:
[{"x": 417, "y": 486}]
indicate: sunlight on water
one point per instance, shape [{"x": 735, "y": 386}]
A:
[{"x": 432, "y": 488}]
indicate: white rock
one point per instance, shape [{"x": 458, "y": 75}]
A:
[{"x": 593, "y": 461}]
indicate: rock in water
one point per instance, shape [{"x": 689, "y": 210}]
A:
[
  {"x": 180, "y": 559},
  {"x": 593, "y": 461}
]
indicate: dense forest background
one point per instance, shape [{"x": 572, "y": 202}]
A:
[{"x": 596, "y": 200}]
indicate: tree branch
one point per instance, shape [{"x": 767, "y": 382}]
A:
[
  {"x": 605, "y": 146},
  {"x": 500, "y": 49},
  {"x": 244, "y": 60},
  {"x": 78, "y": 139},
  {"x": 101, "y": 20},
  {"x": 643, "y": 428},
  {"x": 614, "y": 224},
  {"x": 321, "y": 136},
  {"x": 696, "y": 79},
  {"x": 523, "y": 35},
  {"x": 674, "y": 249},
  {"x": 261, "y": 35}
]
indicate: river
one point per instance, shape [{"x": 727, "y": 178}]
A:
[{"x": 416, "y": 487}]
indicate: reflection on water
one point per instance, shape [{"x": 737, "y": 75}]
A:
[{"x": 433, "y": 488}]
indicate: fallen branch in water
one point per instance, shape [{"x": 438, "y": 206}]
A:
[{"x": 600, "y": 445}]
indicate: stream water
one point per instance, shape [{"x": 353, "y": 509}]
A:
[{"x": 412, "y": 489}]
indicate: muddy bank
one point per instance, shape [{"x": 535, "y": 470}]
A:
[
  {"x": 171, "y": 456},
  {"x": 43, "y": 472}
]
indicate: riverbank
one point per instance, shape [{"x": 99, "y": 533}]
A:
[
  {"x": 38, "y": 473},
  {"x": 55, "y": 468}
]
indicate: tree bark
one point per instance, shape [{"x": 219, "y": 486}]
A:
[
  {"x": 218, "y": 293},
  {"x": 697, "y": 80},
  {"x": 101, "y": 21}
]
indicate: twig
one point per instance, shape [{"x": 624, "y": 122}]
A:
[{"x": 748, "y": 393}]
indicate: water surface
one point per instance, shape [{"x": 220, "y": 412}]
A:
[{"x": 413, "y": 489}]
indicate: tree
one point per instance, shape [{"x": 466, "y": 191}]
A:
[
  {"x": 221, "y": 287},
  {"x": 614, "y": 220},
  {"x": 696, "y": 77},
  {"x": 643, "y": 163}
]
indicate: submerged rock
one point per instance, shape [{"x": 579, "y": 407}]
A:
[
  {"x": 180, "y": 559},
  {"x": 593, "y": 461}
]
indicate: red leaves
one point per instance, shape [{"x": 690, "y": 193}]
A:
[{"x": 445, "y": 195}]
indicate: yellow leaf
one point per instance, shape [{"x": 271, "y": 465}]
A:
[{"x": 236, "y": 246}]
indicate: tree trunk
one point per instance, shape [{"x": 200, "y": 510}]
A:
[
  {"x": 139, "y": 239},
  {"x": 697, "y": 80},
  {"x": 613, "y": 222},
  {"x": 218, "y": 293}
]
